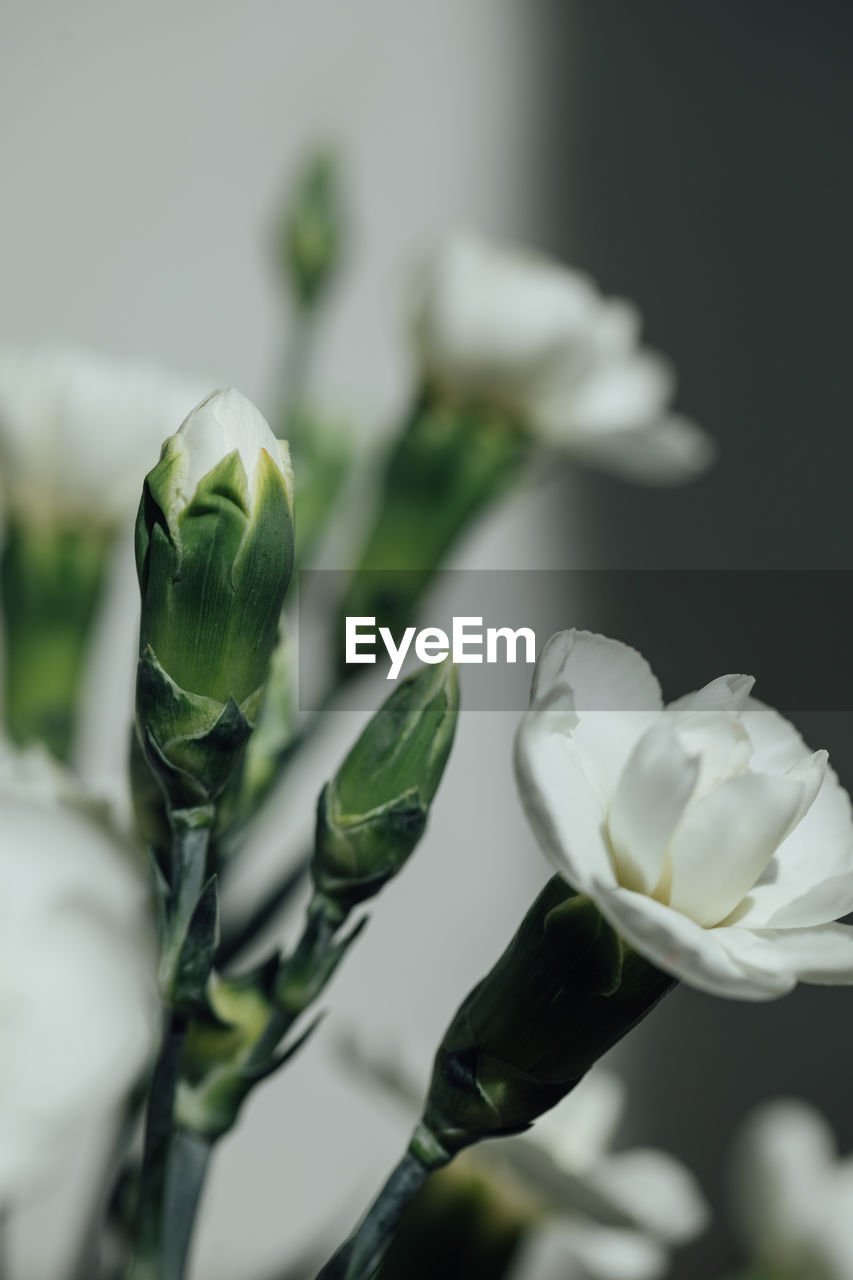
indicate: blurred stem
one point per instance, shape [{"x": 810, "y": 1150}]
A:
[
  {"x": 298, "y": 361},
  {"x": 360, "y": 1256},
  {"x": 301, "y": 979},
  {"x": 51, "y": 580},
  {"x": 188, "y": 1163},
  {"x": 159, "y": 1194}
]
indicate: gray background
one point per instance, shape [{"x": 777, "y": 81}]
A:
[{"x": 694, "y": 157}]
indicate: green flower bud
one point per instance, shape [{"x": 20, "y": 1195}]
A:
[
  {"x": 562, "y": 994},
  {"x": 312, "y": 234},
  {"x": 214, "y": 549},
  {"x": 372, "y": 814}
]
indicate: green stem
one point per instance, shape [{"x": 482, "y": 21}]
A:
[
  {"x": 360, "y": 1256},
  {"x": 188, "y": 1164},
  {"x": 297, "y": 365},
  {"x": 190, "y": 842},
  {"x": 148, "y": 1254},
  {"x": 302, "y": 977}
]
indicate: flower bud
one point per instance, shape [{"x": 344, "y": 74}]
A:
[
  {"x": 562, "y": 994},
  {"x": 312, "y": 233},
  {"x": 214, "y": 549},
  {"x": 372, "y": 814}
]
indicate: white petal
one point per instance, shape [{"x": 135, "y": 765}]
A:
[
  {"x": 579, "y": 672},
  {"x": 727, "y": 837},
  {"x": 809, "y": 879},
  {"x": 726, "y": 693},
  {"x": 227, "y": 421},
  {"x": 821, "y": 954},
  {"x": 651, "y": 794},
  {"x": 683, "y": 948},
  {"x": 671, "y": 450},
  {"x": 603, "y": 674},
  {"x": 562, "y": 805},
  {"x": 781, "y": 1164},
  {"x": 622, "y": 395},
  {"x": 488, "y": 318},
  {"x": 656, "y": 1191},
  {"x": 718, "y": 739},
  {"x": 583, "y": 1251}
]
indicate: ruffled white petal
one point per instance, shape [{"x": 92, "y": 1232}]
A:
[
  {"x": 563, "y": 806},
  {"x": 679, "y": 946},
  {"x": 607, "y": 695},
  {"x": 726, "y": 693},
  {"x": 809, "y": 880},
  {"x": 727, "y": 837},
  {"x": 622, "y": 395},
  {"x": 821, "y": 954},
  {"x": 670, "y": 450},
  {"x": 655, "y": 1191},
  {"x": 575, "y": 1249},
  {"x": 650, "y": 798}
]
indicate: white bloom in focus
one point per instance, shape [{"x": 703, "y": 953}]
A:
[
  {"x": 78, "y": 431},
  {"x": 77, "y": 993},
  {"x": 601, "y": 1215},
  {"x": 225, "y": 422},
  {"x": 706, "y": 832},
  {"x": 534, "y": 339},
  {"x": 793, "y": 1194}
]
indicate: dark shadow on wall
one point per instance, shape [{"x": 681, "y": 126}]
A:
[{"x": 699, "y": 163}]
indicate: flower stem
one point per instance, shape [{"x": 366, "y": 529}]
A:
[
  {"x": 360, "y": 1256},
  {"x": 159, "y": 1191},
  {"x": 303, "y": 977},
  {"x": 188, "y": 1163}
]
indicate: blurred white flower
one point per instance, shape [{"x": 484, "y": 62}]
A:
[
  {"x": 600, "y": 1215},
  {"x": 77, "y": 995},
  {"x": 793, "y": 1194},
  {"x": 709, "y": 836},
  {"x": 78, "y": 432},
  {"x": 536, "y": 340}
]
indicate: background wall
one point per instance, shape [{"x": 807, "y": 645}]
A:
[{"x": 705, "y": 173}]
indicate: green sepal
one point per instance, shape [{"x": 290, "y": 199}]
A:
[
  {"x": 213, "y": 574},
  {"x": 232, "y": 1018},
  {"x": 211, "y": 1106},
  {"x": 373, "y": 813},
  {"x": 563, "y": 993},
  {"x": 301, "y": 979},
  {"x": 192, "y": 743},
  {"x": 190, "y": 969}
]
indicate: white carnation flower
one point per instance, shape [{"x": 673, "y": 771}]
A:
[
  {"x": 78, "y": 431},
  {"x": 77, "y": 992},
  {"x": 706, "y": 832},
  {"x": 793, "y": 1193},
  {"x": 536, "y": 340}
]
